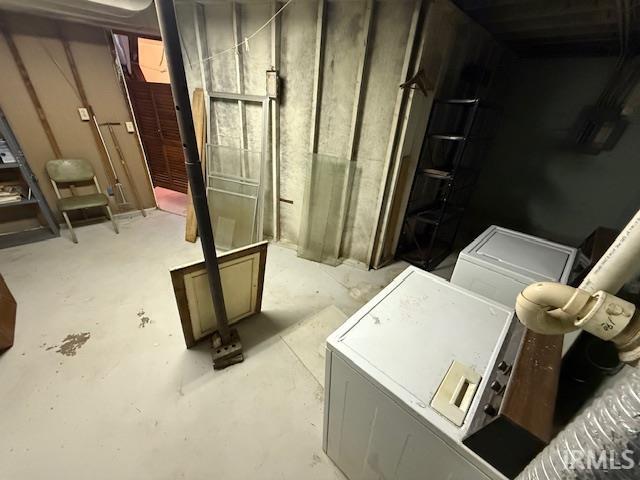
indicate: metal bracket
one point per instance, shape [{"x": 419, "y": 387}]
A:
[{"x": 225, "y": 355}]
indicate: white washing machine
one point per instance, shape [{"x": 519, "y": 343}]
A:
[{"x": 404, "y": 378}]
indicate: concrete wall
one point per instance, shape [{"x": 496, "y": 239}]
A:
[
  {"x": 38, "y": 44},
  {"x": 533, "y": 181},
  {"x": 385, "y": 117},
  {"x": 342, "y": 49},
  {"x": 451, "y": 40}
]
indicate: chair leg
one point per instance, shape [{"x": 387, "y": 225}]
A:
[
  {"x": 73, "y": 234},
  {"x": 111, "y": 217}
]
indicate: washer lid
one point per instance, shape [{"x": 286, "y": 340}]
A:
[
  {"x": 407, "y": 337},
  {"x": 533, "y": 258}
]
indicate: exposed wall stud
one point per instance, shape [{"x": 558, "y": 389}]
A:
[
  {"x": 237, "y": 36},
  {"x": 355, "y": 116},
  {"x": 132, "y": 118},
  {"x": 317, "y": 76},
  {"x": 206, "y": 72},
  {"x": 26, "y": 80},
  {"x": 275, "y": 123},
  {"x": 395, "y": 173},
  {"x": 400, "y": 101}
]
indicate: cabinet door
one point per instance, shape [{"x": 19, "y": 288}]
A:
[{"x": 370, "y": 437}]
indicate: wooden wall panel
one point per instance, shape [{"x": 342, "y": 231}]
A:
[{"x": 43, "y": 54}]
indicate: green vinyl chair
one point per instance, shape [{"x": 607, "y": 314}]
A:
[{"x": 67, "y": 173}]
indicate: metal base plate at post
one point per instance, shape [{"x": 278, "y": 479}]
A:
[{"x": 229, "y": 354}]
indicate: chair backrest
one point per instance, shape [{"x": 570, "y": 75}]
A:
[{"x": 69, "y": 170}]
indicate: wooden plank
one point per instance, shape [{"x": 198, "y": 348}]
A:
[
  {"x": 243, "y": 288},
  {"x": 237, "y": 38},
  {"x": 104, "y": 155},
  {"x": 275, "y": 124},
  {"x": 202, "y": 44},
  {"x": 26, "y": 80},
  {"x": 200, "y": 125},
  {"x": 317, "y": 76},
  {"x": 355, "y": 118},
  {"x": 535, "y": 374},
  {"x": 8, "y": 308},
  {"x": 543, "y": 10},
  {"x": 400, "y": 100},
  {"x": 132, "y": 118}
]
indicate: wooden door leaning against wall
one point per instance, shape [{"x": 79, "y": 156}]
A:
[{"x": 158, "y": 127}]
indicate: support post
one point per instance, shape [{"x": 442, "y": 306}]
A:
[{"x": 169, "y": 29}]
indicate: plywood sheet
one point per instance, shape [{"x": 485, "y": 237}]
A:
[{"x": 242, "y": 275}]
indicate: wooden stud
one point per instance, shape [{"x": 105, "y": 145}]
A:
[
  {"x": 202, "y": 44},
  {"x": 237, "y": 38},
  {"x": 200, "y": 126},
  {"x": 31, "y": 91},
  {"x": 355, "y": 117},
  {"x": 400, "y": 100},
  {"x": 104, "y": 155},
  {"x": 275, "y": 124},
  {"x": 399, "y": 155},
  {"x": 539, "y": 11},
  {"x": 317, "y": 76}
]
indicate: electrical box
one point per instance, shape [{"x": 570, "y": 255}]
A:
[
  {"x": 130, "y": 127},
  {"x": 273, "y": 84},
  {"x": 598, "y": 128},
  {"x": 84, "y": 114}
]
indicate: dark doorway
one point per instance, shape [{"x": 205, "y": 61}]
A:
[
  {"x": 149, "y": 89},
  {"x": 153, "y": 108}
]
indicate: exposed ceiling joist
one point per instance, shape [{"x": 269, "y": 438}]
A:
[{"x": 559, "y": 27}]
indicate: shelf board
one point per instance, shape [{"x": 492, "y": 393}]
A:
[
  {"x": 437, "y": 174},
  {"x": 416, "y": 257},
  {"x": 9, "y": 165},
  {"x": 458, "y": 101},
  {"x": 24, "y": 201},
  {"x": 455, "y": 138},
  {"x": 13, "y": 239},
  {"x": 432, "y": 215}
]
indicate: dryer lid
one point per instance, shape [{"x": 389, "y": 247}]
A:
[{"x": 533, "y": 258}]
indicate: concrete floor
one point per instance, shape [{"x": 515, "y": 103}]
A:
[
  {"x": 99, "y": 384},
  {"x": 171, "y": 201}
]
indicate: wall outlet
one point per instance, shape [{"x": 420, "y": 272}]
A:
[
  {"x": 130, "y": 127},
  {"x": 84, "y": 114}
]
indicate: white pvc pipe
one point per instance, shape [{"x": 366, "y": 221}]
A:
[
  {"x": 619, "y": 264},
  {"x": 539, "y": 305}
]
